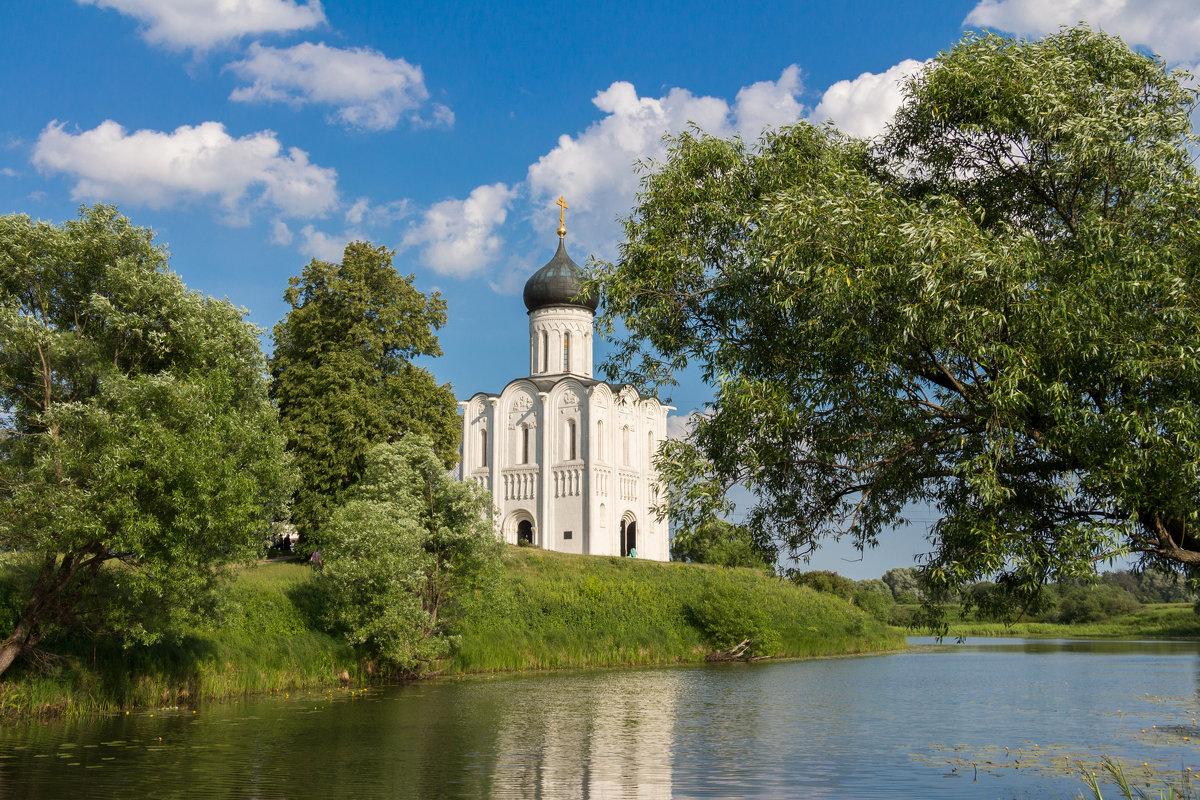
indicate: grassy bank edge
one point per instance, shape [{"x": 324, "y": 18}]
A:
[{"x": 1157, "y": 621}]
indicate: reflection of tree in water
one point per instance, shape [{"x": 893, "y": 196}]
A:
[{"x": 393, "y": 743}]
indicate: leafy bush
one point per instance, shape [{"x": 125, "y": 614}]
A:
[
  {"x": 878, "y": 605},
  {"x": 822, "y": 580},
  {"x": 402, "y": 549},
  {"x": 1095, "y": 603},
  {"x": 724, "y": 544},
  {"x": 903, "y": 615},
  {"x": 729, "y": 617}
]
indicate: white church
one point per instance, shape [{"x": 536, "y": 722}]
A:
[{"x": 569, "y": 460}]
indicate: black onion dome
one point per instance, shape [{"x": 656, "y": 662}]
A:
[{"x": 558, "y": 284}]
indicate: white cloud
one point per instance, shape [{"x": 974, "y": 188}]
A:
[
  {"x": 459, "y": 237},
  {"x": 356, "y": 212},
  {"x": 190, "y": 164},
  {"x": 281, "y": 233},
  {"x": 768, "y": 104},
  {"x": 865, "y": 106},
  {"x": 325, "y": 246},
  {"x": 594, "y": 169},
  {"x": 364, "y": 212},
  {"x": 8, "y": 172},
  {"x": 201, "y": 24},
  {"x": 1169, "y": 27},
  {"x": 680, "y": 425},
  {"x": 365, "y": 88}
]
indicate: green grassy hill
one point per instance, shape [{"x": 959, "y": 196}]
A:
[
  {"x": 555, "y": 610},
  {"x": 547, "y": 611}
]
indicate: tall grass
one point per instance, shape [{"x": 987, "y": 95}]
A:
[
  {"x": 554, "y": 610},
  {"x": 1116, "y": 774},
  {"x": 263, "y": 639}
]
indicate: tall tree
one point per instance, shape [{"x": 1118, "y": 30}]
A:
[
  {"x": 993, "y": 311},
  {"x": 343, "y": 376},
  {"x": 136, "y": 436}
]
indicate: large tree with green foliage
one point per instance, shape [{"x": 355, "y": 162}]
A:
[
  {"x": 993, "y": 310},
  {"x": 406, "y": 543},
  {"x": 725, "y": 544},
  {"x": 343, "y": 373},
  {"x": 138, "y": 448}
]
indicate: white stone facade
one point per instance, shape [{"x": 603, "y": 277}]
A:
[{"x": 569, "y": 460}]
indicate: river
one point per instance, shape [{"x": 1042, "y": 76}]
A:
[{"x": 992, "y": 718}]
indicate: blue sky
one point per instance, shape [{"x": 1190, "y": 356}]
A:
[{"x": 253, "y": 135}]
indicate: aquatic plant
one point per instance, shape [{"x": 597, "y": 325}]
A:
[{"x": 1116, "y": 773}]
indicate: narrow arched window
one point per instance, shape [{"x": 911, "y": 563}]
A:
[
  {"x": 566, "y": 351},
  {"x": 524, "y": 444},
  {"x": 600, "y": 440},
  {"x": 483, "y": 448},
  {"x": 545, "y": 352},
  {"x": 625, "y": 447},
  {"x": 650, "y": 449},
  {"x": 571, "y": 440}
]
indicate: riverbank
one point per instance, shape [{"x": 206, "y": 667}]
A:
[
  {"x": 547, "y": 611},
  {"x": 1158, "y": 621},
  {"x": 263, "y": 638}
]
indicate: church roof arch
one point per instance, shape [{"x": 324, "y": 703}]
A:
[
  {"x": 518, "y": 389},
  {"x": 478, "y": 405},
  {"x": 567, "y": 384},
  {"x": 602, "y": 393}
]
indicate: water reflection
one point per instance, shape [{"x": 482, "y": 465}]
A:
[
  {"x": 601, "y": 735},
  {"x": 1015, "y": 715},
  {"x": 1089, "y": 646},
  {"x": 590, "y": 736}
]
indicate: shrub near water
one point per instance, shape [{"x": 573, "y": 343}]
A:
[
  {"x": 262, "y": 637},
  {"x": 555, "y": 610}
]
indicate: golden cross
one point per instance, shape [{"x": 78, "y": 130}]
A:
[{"x": 562, "y": 206}]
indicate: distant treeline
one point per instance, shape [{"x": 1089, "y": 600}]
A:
[{"x": 895, "y": 597}]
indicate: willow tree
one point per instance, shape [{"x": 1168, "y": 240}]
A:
[
  {"x": 139, "y": 452},
  {"x": 992, "y": 310}
]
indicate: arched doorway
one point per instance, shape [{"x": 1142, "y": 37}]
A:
[
  {"x": 520, "y": 528},
  {"x": 628, "y": 536}
]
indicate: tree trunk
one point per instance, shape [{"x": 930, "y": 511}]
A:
[
  {"x": 22, "y": 640},
  {"x": 42, "y": 605}
]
